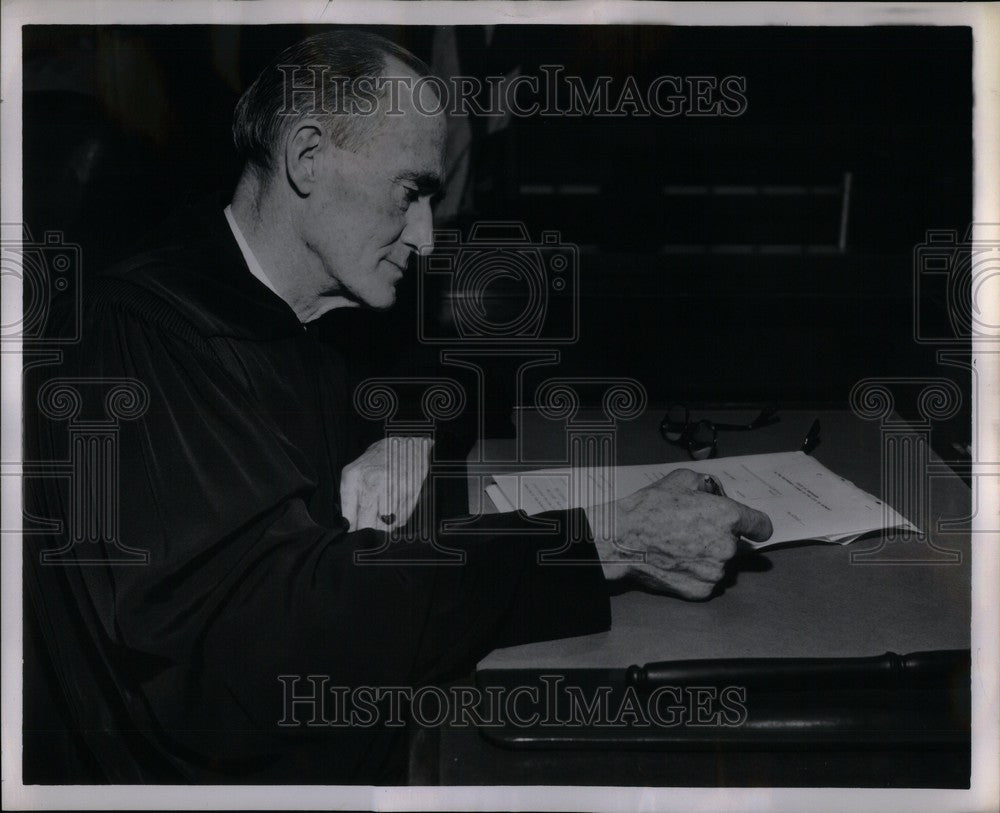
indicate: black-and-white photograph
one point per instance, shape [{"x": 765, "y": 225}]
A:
[{"x": 500, "y": 406}]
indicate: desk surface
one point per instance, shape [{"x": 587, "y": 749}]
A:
[{"x": 806, "y": 601}]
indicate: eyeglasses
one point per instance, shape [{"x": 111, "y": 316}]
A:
[{"x": 700, "y": 438}]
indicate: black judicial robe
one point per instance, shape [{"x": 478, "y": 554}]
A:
[{"x": 230, "y": 481}]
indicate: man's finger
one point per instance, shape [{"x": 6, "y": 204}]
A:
[
  {"x": 711, "y": 485},
  {"x": 754, "y": 525},
  {"x": 685, "y": 478},
  {"x": 707, "y": 570},
  {"x": 368, "y": 512},
  {"x": 409, "y": 478},
  {"x": 683, "y": 584},
  {"x": 406, "y": 502},
  {"x": 418, "y": 464},
  {"x": 349, "y": 502}
]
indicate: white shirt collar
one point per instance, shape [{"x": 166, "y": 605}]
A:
[
  {"x": 258, "y": 271},
  {"x": 248, "y": 255}
]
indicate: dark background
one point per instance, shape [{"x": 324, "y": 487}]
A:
[
  {"x": 714, "y": 297},
  {"x": 687, "y": 293}
]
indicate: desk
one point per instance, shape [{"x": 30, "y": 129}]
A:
[{"x": 805, "y": 601}]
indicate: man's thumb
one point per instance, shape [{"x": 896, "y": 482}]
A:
[{"x": 685, "y": 478}]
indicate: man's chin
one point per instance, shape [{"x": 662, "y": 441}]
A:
[{"x": 383, "y": 301}]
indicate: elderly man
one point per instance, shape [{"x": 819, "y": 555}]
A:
[{"x": 237, "y": 482}]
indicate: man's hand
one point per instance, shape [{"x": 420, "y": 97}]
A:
[
  {"x": 686, "y": 530},
  {"x": 380, "y": 489}
]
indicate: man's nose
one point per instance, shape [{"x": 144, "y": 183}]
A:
[{"x": 418, "y": 233}]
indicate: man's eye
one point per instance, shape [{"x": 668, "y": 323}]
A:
[{"x": 411, "y": 194}]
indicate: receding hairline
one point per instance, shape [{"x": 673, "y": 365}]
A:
[{"x": 259, "y": 143}]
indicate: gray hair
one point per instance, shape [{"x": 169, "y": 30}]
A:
[{"x": 260, "y": 120}]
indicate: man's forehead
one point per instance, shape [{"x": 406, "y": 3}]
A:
[
  {"x": 409, "y": 149},
  {"x": 414, "y": 131},
  {"x": 407, "y": 92}
]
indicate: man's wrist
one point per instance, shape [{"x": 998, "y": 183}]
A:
[{"x": 612, "y": 565}]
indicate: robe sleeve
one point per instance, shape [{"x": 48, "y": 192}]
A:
[{"x": 243, "y": 586}]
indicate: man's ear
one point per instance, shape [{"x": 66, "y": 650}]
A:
[{"x": 302, "y": 150}]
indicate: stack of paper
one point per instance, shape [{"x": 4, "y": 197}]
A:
[{"x": 803, "y": 498}]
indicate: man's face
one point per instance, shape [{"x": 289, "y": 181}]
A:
[{"x": 371, "y": 209}]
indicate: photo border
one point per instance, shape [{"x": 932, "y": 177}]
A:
[{"x": 983, "y": 793}]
